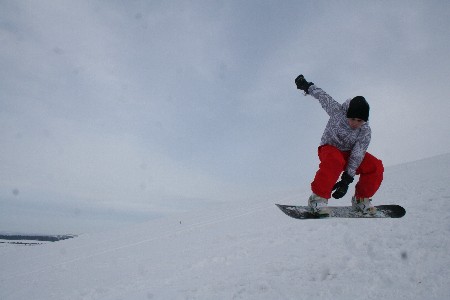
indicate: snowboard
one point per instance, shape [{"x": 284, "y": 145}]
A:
[{"x": 304, "y": 212}]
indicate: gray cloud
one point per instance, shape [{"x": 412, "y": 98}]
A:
[{"x": 155, "y": 105}]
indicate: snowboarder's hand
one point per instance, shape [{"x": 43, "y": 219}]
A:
[
  {"x": 302, "y": 84},
  {"x": 341, "y": 187}
]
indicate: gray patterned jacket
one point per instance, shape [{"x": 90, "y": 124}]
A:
[{"x": 338, "y": 132}]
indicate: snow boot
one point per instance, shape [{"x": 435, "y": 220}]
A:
[
  {"x": 363, "y": 205},
  {"x": 319, "y": 205}
]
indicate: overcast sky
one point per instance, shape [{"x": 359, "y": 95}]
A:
[{"x": 130, "y": 109}]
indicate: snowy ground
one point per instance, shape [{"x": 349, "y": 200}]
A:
[{"x": 254, "y": 251}]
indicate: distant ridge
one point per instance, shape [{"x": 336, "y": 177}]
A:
[{"x": 40, "y": 238}]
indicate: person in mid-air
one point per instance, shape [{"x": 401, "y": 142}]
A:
[{"x": 343, "y": 149}]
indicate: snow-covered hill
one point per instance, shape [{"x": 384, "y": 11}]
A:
[{"x": 253, "y": 251}]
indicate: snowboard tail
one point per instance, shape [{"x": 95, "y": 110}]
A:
[{"x": 304, "y": 212}]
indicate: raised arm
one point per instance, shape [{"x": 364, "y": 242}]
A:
[{"x": 330, "y": 105}]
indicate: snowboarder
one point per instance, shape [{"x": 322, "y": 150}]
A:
[{"x": 343, "y": 149}]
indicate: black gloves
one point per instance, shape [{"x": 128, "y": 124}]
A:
[
  {"x": 302, "y": 84},
  {"x": 341, "y": 187}
]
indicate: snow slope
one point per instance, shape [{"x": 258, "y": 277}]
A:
[{"x": 253, "y": 251}]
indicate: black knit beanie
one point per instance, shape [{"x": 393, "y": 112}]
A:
[{"x": 358, "y": 108}]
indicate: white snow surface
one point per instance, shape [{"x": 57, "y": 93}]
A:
[{"x": 251, "y": 250}]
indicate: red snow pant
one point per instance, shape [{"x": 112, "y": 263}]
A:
[{"x": 334, "y": 161}]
